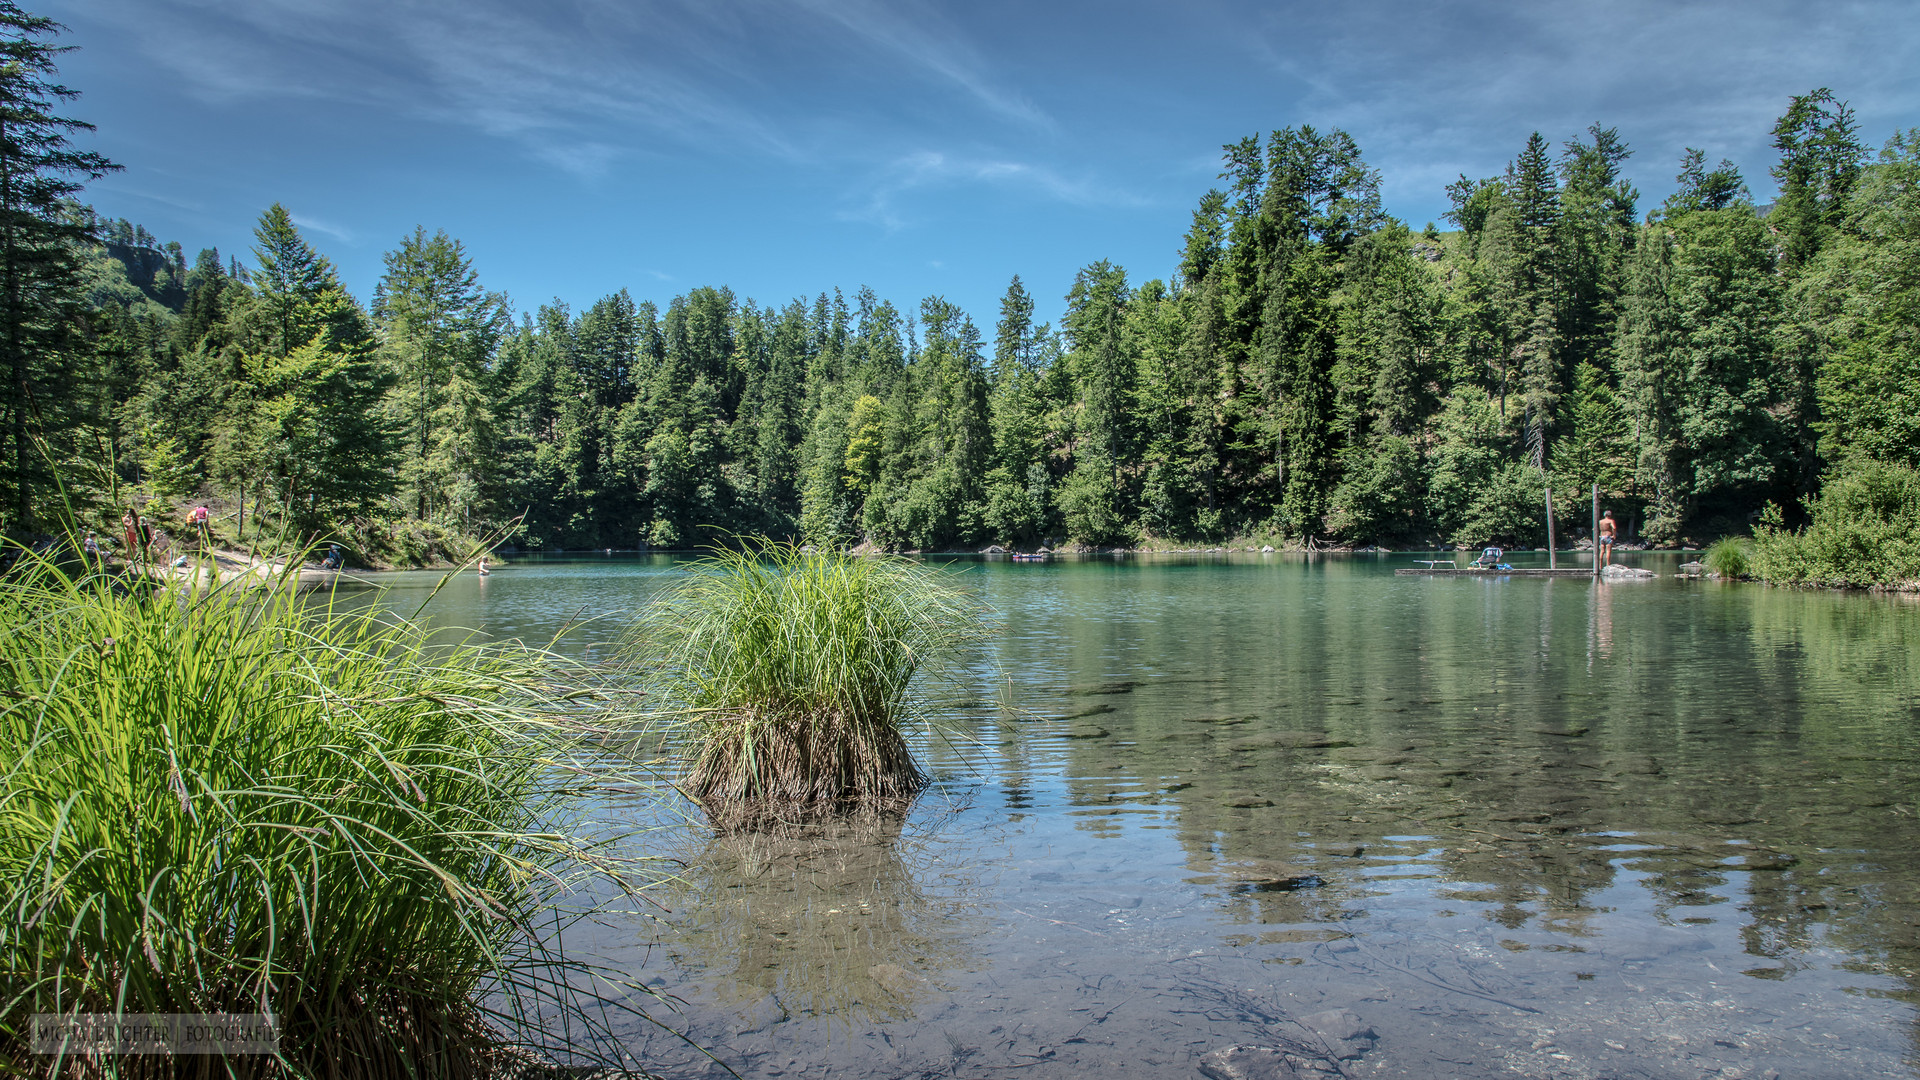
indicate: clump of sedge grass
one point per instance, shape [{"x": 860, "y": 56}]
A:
[
  {"x": 1730, "y": 557},
  {"x": 796, "y": 671},
  {"x": 257, "y": 803}
]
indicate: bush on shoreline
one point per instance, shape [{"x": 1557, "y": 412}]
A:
[{"x": 1864, "y": 533}]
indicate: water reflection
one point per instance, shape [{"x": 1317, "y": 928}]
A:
[
  {"x": 1602, "y": 636},
  {"x": 851, "y": 922}
]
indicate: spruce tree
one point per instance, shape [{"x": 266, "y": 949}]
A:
[
  {"x": 1095, "y": 499},
  {"x": 301, "y": 421},
  {"x": 1703, "y": 190},
  {"x": 1820, "y": 158},
  {"x": 41, "y": 240},
  {"x": 1530, "y": 290},
  {"x": 441, "y": 331},
  {"x": 1597, "y": 229},
  {"x": 1014, "y": 345}
]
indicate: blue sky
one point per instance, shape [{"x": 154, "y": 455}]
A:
[{"x": 784, "y": 147}]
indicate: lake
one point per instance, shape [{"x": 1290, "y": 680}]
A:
[{"x": 1386, "y": 826}]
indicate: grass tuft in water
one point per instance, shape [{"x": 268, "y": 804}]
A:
[
  {"x": 1730, "y": 557},
  {"x": 259, "y": 803},
  {"x": 796, "y": 672}
]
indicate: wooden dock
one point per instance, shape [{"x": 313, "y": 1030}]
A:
[{"x": 1481, "y": 571}]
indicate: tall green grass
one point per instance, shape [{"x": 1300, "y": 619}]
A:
[
  {"x": 1730, "y": 557},
  {"x": 797, "y": 673},
  {"x": 256, "y": 802}
]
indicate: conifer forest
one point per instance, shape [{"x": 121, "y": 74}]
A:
[{"x": 1304, "y": 368}]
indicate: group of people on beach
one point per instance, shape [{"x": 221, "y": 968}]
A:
[{"x": 136, "y": 534}]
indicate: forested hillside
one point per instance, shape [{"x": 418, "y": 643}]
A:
[{"x": 1307, "y": 369}]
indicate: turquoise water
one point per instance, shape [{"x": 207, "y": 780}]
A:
[{"x": 1518, "y": 827}]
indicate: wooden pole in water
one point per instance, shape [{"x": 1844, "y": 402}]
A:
[
  {"x": 1596, "y": 529},
  {"x": 1552, "y": 564}
]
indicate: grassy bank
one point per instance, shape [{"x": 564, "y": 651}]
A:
[{"x": 254, "y": 803}]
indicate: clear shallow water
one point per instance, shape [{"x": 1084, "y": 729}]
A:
[{"x": 1539, "y": 828}]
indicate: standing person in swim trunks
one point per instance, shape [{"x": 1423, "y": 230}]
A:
[{"x": 1607, "y": 531}]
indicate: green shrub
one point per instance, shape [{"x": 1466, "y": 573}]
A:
[
  {"x": 1509, "y": 509},
  {"x": 260, "y": 803},
  {"x": 1730, "y": 557},
  {"x": 796, "y": 672},
  {"x": 1865, "y": 532}
]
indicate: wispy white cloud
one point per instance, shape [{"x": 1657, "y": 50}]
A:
[
  {"x": 579, "y": 83},
  {"x": 925, "y": 40},
  {"x": 880, "y": 198},
  {"x": 189, "y": 205},
  {"x": 338, "y": 232}
]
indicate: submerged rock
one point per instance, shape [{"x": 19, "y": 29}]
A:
[
  {"x": 1616, "y": 572},
  {"x": 1290, "y": 740},
  {"x": 895, "y": 979},
  {"x": 1274, "y": 876},
  {"x": 1333, "y": 1036},
  {"x": 1347, "y": 1036},
  {"x": 1116, "y": 686},
  {"x": 1262, "y": 1063}
]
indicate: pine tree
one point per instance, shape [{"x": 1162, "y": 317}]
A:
[{"x": 1319, "y": 199}]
